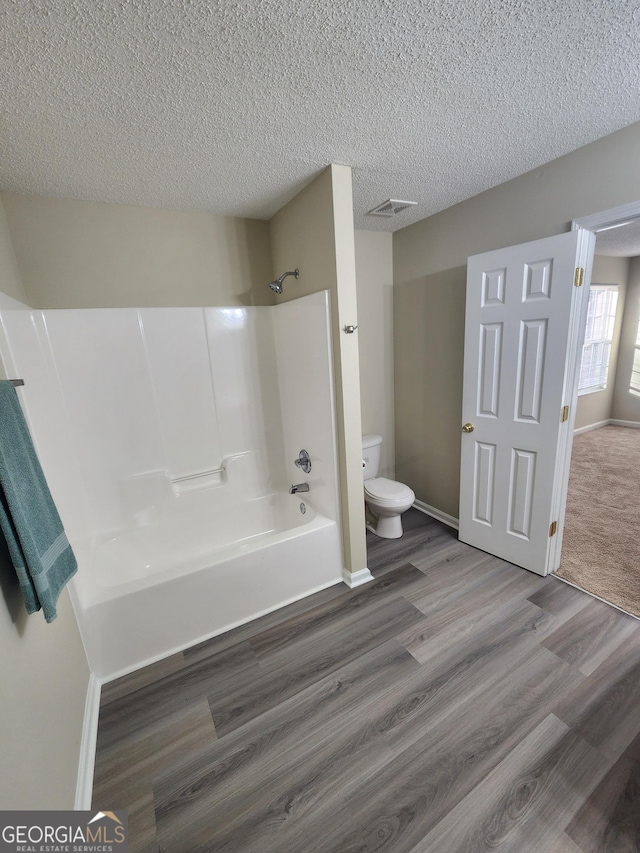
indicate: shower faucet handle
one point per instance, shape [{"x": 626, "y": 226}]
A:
[{"x": 303, "y": 461}]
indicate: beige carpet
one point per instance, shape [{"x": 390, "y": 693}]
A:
[{"x": 601, "y": 546}]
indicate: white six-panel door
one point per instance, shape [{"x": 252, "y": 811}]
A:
[{"x": 518, "y": 377}]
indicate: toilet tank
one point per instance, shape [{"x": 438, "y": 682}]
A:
[{"x": 371, "y": 445}]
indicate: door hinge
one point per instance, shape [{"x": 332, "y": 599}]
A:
[
  {"x": 553, "y": 529},
  {"x": 579, "y": 277},
  {"x": 564, "y": 414}
]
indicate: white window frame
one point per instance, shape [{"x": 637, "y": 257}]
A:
[
  {"x": 634, "y": 384},
  {"x": 598, "y": 338}
]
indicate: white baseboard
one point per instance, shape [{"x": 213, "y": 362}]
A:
[
  {"x": 437, "y": 514},
  {"x": 632, "y": 424},
  {"x": 609, "y": 422},
  {"x": 356, "y": 578},
  {"x": 86, "y": 763},
  {"x": 589, "y": 427}
]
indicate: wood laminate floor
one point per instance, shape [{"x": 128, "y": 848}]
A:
[{"x": 455, "y": 704}]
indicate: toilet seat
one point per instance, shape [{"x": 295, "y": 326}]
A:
[{"x": 386, "y": 492}]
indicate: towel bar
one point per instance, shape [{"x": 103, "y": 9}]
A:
[{"x": 17, "y": 382}]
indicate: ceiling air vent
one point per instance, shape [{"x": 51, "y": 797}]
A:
[{"x": 391, "y": 207}]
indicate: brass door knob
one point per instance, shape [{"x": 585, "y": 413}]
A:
[{"x": 468, "y": 428}]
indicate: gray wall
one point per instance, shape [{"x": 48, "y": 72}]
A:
[
  {"x": 626, "y": 398},
  {"x": 314, "y": 232},
  {"x": 80, "y": 254},
  {"x": 429, "y": 261},
  {"x": 10, "y": 280},
  {"x": 374, "y": 272},
  {"x": 597, "y": 407}
]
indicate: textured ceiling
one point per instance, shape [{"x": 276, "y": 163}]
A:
[
  {"x": 621, "y": 242},
  {"x": 232, "y": 106}
]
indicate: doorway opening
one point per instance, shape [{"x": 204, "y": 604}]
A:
[{"x": 600, "y": 551}]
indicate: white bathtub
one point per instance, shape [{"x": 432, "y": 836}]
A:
[
  {"x": 159, "y": 588},
  {"x": 160, "y": 431}
]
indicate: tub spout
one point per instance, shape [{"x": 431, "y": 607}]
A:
[{"x": 301, "y": 487}]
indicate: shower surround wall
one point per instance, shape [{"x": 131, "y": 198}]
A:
[{"x": 168, "y": 438}]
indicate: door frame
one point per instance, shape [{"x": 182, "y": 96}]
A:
[
  {"x": 577, "y": 323},
  {"x": 613, "y": 217}
]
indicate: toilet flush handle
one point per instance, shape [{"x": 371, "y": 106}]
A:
[{"x": 468, "y": 428}]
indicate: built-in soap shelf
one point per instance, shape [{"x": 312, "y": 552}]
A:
[
  {"x": 199, "y": 480},
  {"x": 211, "y": 478},
  {"x": 146, "y": 498}
]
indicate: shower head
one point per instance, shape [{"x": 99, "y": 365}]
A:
[{"x": 276, "y": 285}]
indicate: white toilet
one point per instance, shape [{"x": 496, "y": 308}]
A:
[{"x": 385, "y": 500}]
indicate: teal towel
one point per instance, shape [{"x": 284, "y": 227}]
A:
[{"x": 40, "y": 552}]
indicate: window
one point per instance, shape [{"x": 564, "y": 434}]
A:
[
  {"x": 601, "y": 318},
  {"x": 634, "y": 385}
]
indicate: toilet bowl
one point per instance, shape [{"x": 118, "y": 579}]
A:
[{"x": 385, "y": 499}]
